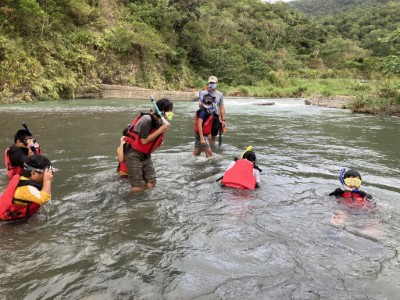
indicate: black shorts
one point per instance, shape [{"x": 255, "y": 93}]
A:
[{"x": 216, "y": 125}]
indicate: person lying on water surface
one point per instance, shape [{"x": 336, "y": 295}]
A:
[
  {"x": 144, "y": 136},
  {"x": 243, "y": 173}
]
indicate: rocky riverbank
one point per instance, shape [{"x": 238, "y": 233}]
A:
[
  {"x": 329, "y": 101},
  {"x": 126, "y": 92}
]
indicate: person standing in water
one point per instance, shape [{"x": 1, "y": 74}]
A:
[
  {"x": 218, "y": 107},
  {"x": 25, "y": 194},
  {"x": 202, "y": 127},
  {"x": 144, "y": 136}
]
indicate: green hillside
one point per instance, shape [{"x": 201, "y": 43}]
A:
[
  {"x": 319, "y": 8},
  {"x": 52, "y": 49}
]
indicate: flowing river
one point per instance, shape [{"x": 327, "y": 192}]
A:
[{"x": 189, "y": 238}]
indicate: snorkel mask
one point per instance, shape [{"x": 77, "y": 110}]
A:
[
  {"x": 169, "y": 115},
  {"x": 30, "y": 168},
  {"x": 351, "y": 183}
]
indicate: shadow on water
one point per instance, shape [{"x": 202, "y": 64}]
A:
[{"x": 190, "y": 238}]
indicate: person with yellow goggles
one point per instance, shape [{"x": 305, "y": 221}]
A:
[
  {"x": 144, "y": 136},
  {"x": 351, "y": 181}
]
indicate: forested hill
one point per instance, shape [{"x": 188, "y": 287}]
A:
[
  {"x": 319, "y": 8},
  {"x": 51, "y": 48}
]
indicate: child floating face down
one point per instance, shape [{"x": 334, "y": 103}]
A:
[
  {"x": 243, "y": 173},
  {"x": 351, "y": 181}
]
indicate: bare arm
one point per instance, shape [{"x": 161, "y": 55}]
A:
[
  {"x": 163, "y": 128},
  {"x": 200, "y": 128},
  {"x": 120, "y": 150}
]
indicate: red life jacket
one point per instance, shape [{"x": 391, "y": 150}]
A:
[
  {"x": 240, "y": 176},
  {"x": 134, "y": 140},
  {"x": 11, "y": 170},
  {"x": 354, "y": 200},
  {"x": 13, "y": 212},
  {"x": 207, "y": 124},
  {"x": 122, "y": 169}
]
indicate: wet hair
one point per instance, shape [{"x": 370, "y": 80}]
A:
[
  {"x": 250, "y": 155},
  {"x": 351, "y": 173},
  {"x": 164, "y": 105},
  {"x": 125, "y": 132},
  {"x": 36, "y": 162},
  {"x": 21, "y": 135}
]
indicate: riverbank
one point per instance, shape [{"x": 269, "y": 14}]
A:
[
  {"x": 331, "y": 101},
  {"x": 126, "y": 92},
  {"x": 108, "y": 91},
  {"x": 370, "y": 103}
]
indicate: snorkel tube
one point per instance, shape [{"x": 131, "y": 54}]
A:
[
  {"x": 158, "y": 111},
  {"x": 341, "y": 178},
  {"x": 32, "y": 147},
  {"x": 247, "y": 149}
]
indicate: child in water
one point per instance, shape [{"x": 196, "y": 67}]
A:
[
  {"x": 351, "y": 195},
  {"x": 243, "y": 173},
  {"x": 202, "y": 127},
  {"x": 121, "y": 169},
  {"x": 25, "y": 194}
]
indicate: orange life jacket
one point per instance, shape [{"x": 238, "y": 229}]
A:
[
  {"x": 135, "y": 142},
  {"x": 9, "y": 211},
  {"x": 240, "y": 176}
]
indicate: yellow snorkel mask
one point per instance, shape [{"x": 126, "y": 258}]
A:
[
  {"x": 169, "y": 115},
  {"x": 353, "y": 182}
]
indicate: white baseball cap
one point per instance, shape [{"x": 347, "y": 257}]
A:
[{"x": 213, "y": 79}]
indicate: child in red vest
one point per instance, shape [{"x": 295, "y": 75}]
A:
[
  {"x": 26, "y": 193},
  {"x": 243, "y": 173},
  {"x": 351, "y": 195},
  {"x": 122, "y": 149},
  {"x": 15, "y": 156},
  {"x": 202, "y": 127}
]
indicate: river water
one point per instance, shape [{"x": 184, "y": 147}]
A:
[{"x": 191, "y": 239}]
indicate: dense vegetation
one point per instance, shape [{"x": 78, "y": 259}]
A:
[
  {"x": 56, "y": 48},
  {"x": 318, "y": 8}
]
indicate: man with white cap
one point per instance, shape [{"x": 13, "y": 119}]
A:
[{"x": 217, "y": 108}]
